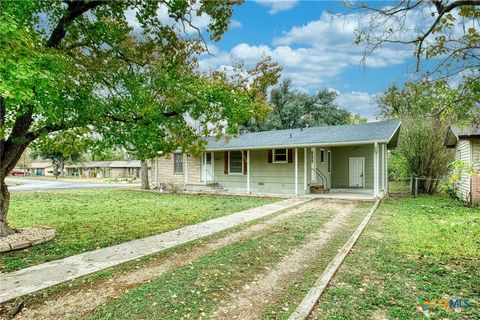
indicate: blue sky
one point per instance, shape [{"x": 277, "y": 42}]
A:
[{"x": 315, "y": 49}]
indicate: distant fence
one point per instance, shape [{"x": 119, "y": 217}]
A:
[{"x": 416, "y": 185}]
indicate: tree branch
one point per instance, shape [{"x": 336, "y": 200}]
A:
[{"x": 74, "y": 10}]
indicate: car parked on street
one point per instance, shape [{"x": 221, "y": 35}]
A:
[{"x": 17, "y": 172}]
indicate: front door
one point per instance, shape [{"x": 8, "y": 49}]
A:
[
  {"x": 356, "y": 168},
  {"x": 207, "y": 170}
]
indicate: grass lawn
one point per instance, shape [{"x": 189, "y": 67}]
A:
[
  {"x": 89, "y": 219},
  {"x": 413, "y": 250},
  {"x": 195, "y": 291}
]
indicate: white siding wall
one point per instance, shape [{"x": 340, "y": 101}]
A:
[{"x": 463, "y": 152}]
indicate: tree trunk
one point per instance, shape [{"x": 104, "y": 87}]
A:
[
  {"x": 144, "y": 175},
  {"x": 4, "y": 203}
]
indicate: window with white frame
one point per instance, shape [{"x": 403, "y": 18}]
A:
[
  {"x": 280, "y": 155},
  {"x": 329, "y": 162},
  {"x": 178, "y": 163},
  {"x": 236, "y": 162},
  {"x": 322, "y": 155}
]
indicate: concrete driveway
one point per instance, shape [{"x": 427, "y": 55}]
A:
[{"x": 39, "y": 185}]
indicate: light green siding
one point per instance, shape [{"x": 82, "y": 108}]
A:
[
  {"x": 264, "y": 177},
  {"x": 340, "y": 164}
]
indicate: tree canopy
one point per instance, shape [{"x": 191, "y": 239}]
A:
[
  {"x": 294, "y": 109},
  {"x": 444, "y": 37},
  {"x": 127, "y": 70}
]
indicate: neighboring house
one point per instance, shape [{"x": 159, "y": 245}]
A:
[
  {"x": 43, "y": 168},
  {"x": 125, "y": 169},
  {"x": 466, "y": 142},
  {"x": 105, "y": 169},
  {"x": 294, "y": 161}
]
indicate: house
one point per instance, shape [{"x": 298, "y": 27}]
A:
[
  {"x": 105, "y": 169},
  {"x": 125, "y": 169},
  {"x": 344, "y": 158},
  {"x": 43, "y": 168},
  {"x": 466, "y": 142}
]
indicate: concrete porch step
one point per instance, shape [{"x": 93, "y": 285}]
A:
[{"x": 318, "y": 189}]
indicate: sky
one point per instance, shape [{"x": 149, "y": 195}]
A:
[{"x": 313, "y": 42}]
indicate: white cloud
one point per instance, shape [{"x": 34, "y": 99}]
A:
[
  {"x": 278, "y": 5},
  {"x": 235, "y": 24},
  {"x": 199, "y": 22},
  {"x": 362, "y": 103}
]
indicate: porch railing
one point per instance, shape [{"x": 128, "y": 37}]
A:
[{"x": 322, "y": 176}]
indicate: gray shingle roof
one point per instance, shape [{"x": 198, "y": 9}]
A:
[
  {"x": 382, "y": 131},
  {"x": 455, "y": 133}
]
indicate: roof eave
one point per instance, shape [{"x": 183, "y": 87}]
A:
[{"x": 334, "y": 144}]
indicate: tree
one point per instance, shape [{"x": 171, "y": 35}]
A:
[
  {"x": 293, "y": 109},
  {"x": 60, "y": 147},
  {"x": 444, "y": 32},
  {"x": 81, "y": 64},
  {"x": 423, "y": 130}
]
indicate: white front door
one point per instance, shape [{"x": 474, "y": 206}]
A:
[
  {"x": 356, "y": 172},
  {"x": 207, "y": 168}
]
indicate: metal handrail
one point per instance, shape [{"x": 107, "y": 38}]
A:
[{"x": 322, "y": 176}]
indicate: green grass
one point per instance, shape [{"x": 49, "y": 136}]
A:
[
  {"x": 399, "y": 186},
  {"x": 283, "y": 307},
  {"x": 89, "y": 219},
  {"x": 195, "y": 290},
  {"x": 413, "y": 249}
]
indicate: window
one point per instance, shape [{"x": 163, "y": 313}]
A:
[
  {"x": 280, "y": 155},
  {"x": 329, "y": 161},
  {"x": 236, "y": 162},
  {"x": 322, "y": 155},
  {"x": 178, "y": 163}
]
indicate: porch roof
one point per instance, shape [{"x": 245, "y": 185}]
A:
[{"x": 381, "y": 132}]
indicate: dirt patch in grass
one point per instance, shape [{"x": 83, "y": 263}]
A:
[
  {"x": 81, "y": 300},
  {"x": 255, "y": 297}
]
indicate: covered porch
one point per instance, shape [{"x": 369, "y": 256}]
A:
[{"x": 344, "y": 171}]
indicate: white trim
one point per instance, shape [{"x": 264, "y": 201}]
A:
[
  {"x": 313, "y": 178},
  {"x": 383, "y": 166},
  {"x": 387, "y": 185},
  {"x": 375, "y": 170},
  {"x": 305, "y": 169},
  {"x": 185, "y": 174},
  {"x": 394, "y": 131},
  {"x": 329, "y": 162},
  {"x": 296, "y": 170},
  {"x": 156, "y": 173},
  {"x": 230, "y": 159},
  {"x": 363, "y": 171},
  {"x": 286, "y": 155},
  {"x": 213, "y": 166},
  {"x": 248, "y": 171}
]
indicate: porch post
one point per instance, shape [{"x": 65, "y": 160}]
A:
[
  {"x": 212, "y": 154},
  {"x": 305, "y": 169},
  {"x": 383, "y": 167},
  {"x": 204, "y": 164},
  {"x": 296, "y": 170},
  {"x": 248, "y": 171},
  {"x": 375, "y": 169},
  {"x": 185, "y": 174},
  {"x": 386, "y": 169}
]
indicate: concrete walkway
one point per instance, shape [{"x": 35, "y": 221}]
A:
[{"x": 29, "y": 280}]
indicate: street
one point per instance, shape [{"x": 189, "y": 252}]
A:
[{"x": 38, "y": 185}]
